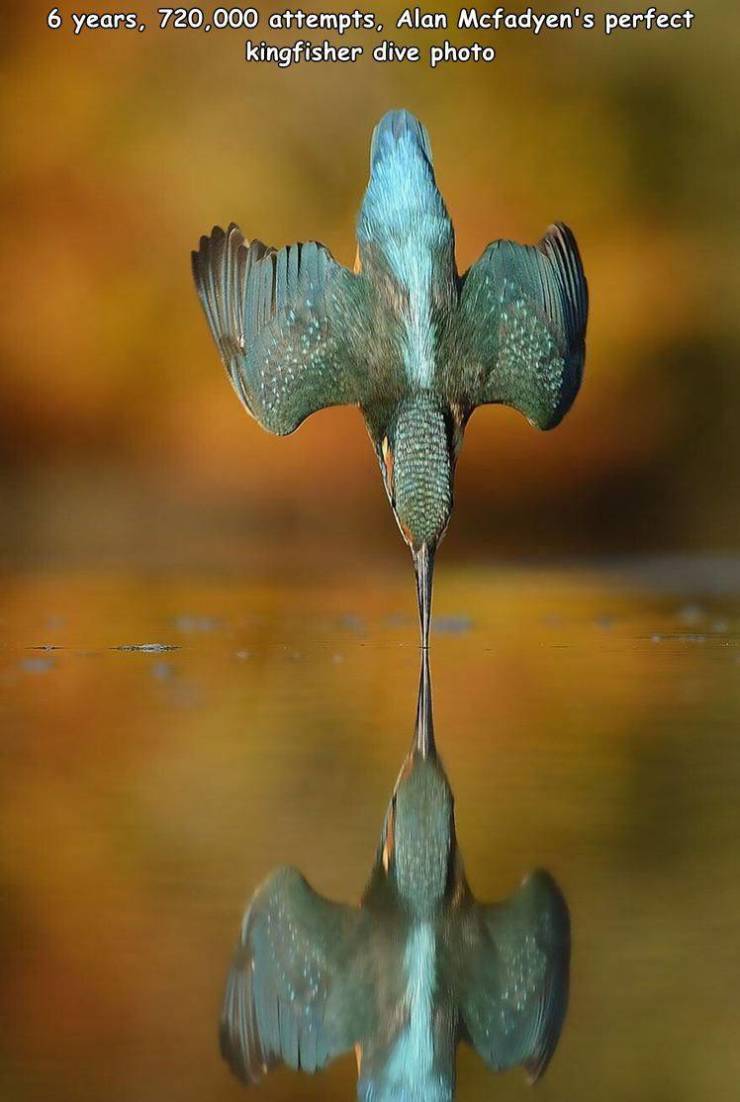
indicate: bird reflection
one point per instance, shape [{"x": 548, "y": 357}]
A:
[
  {"x": 406, "y": 338},
  {"x": 416, "y": 968}
]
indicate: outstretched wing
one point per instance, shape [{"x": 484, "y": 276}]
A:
[
  {"x": 514, "y": 977},
  {"x": 295, "y": 992},
  {"x": 523, "y": 313},
  {"x": 286, "y": 324}
]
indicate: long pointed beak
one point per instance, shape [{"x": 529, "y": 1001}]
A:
[
  {"x": 424, "y": 734},
  {"x": 424, "y": 567}
]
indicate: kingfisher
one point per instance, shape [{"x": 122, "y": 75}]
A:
[
  {"x": 419, "y": 966},
  {"x": 403, "y": 336}
]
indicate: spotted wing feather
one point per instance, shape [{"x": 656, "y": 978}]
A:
[
  {"x": 514, "y": 976},
  {"x": 523, "y": 315},
  {"x": 288, "y": 325},
  {"x": 295, "y": 993}
]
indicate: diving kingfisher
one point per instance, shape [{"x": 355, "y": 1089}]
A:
[
  {"x": 405, "y": 337},
  {"x": 418, "y": 967}
]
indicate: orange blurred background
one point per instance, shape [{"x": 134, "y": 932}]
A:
[
  {"x": 207, "y": 635},
  {"x": 117, "y": 424}
]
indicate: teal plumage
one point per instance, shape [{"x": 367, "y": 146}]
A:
[
  {"x": 284, "y": 325},
  {"x": 415, "y": 345},
  {"x": 521, "y": 328}
]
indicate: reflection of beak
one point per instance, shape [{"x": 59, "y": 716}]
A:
[
  {"x": 424, "y": 567},
  {"x": 424, "y": 734}
]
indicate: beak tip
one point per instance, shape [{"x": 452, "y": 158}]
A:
[{"x": 424, "y": 567}]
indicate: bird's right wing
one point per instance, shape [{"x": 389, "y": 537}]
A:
[
  {"x": 522, "y": 328},
  {"x": 513, "y": 976},
  {"x": 289, "y": 325},
  {"x": 296, "y": 993}
]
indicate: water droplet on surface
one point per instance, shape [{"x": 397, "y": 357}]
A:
[
  {"x": 193, "y": 624},
  {"x": 692, "y": 614},
  {"x": 352, "y": 622},
  {"x": 37, "y": 665},
  {"x": 451, "y": 625},
  {"x": 163, "y": 671}
]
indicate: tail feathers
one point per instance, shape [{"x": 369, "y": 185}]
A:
[{"x": 395, "y": 129}]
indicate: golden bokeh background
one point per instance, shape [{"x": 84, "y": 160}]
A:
[{"x": 121, "y": 148}]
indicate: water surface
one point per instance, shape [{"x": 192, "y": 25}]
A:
[{"x": 168, "y": 741}]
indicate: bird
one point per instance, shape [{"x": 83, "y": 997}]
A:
[
  {"x": 418, "y": 967},
  {"x": 406, "y": 338}
]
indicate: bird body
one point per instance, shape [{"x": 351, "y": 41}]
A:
[
  {"x": 406, "y": 338},
  {"x": 417, "y": 967}
]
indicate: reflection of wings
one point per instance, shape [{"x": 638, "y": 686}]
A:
[
  {"x": 284, "y": 323},
  {"x": 514, "y": 977},
  {"x": 523, "y": 326},
  {"x": 293, "y": 993}
]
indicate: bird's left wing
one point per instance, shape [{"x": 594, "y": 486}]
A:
[
  {"x": 289, "y": 325},
  {"x": 296, "y": 992},
  {"x": 520, "y": 338},
  {"x": 513, "y": 980}
]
